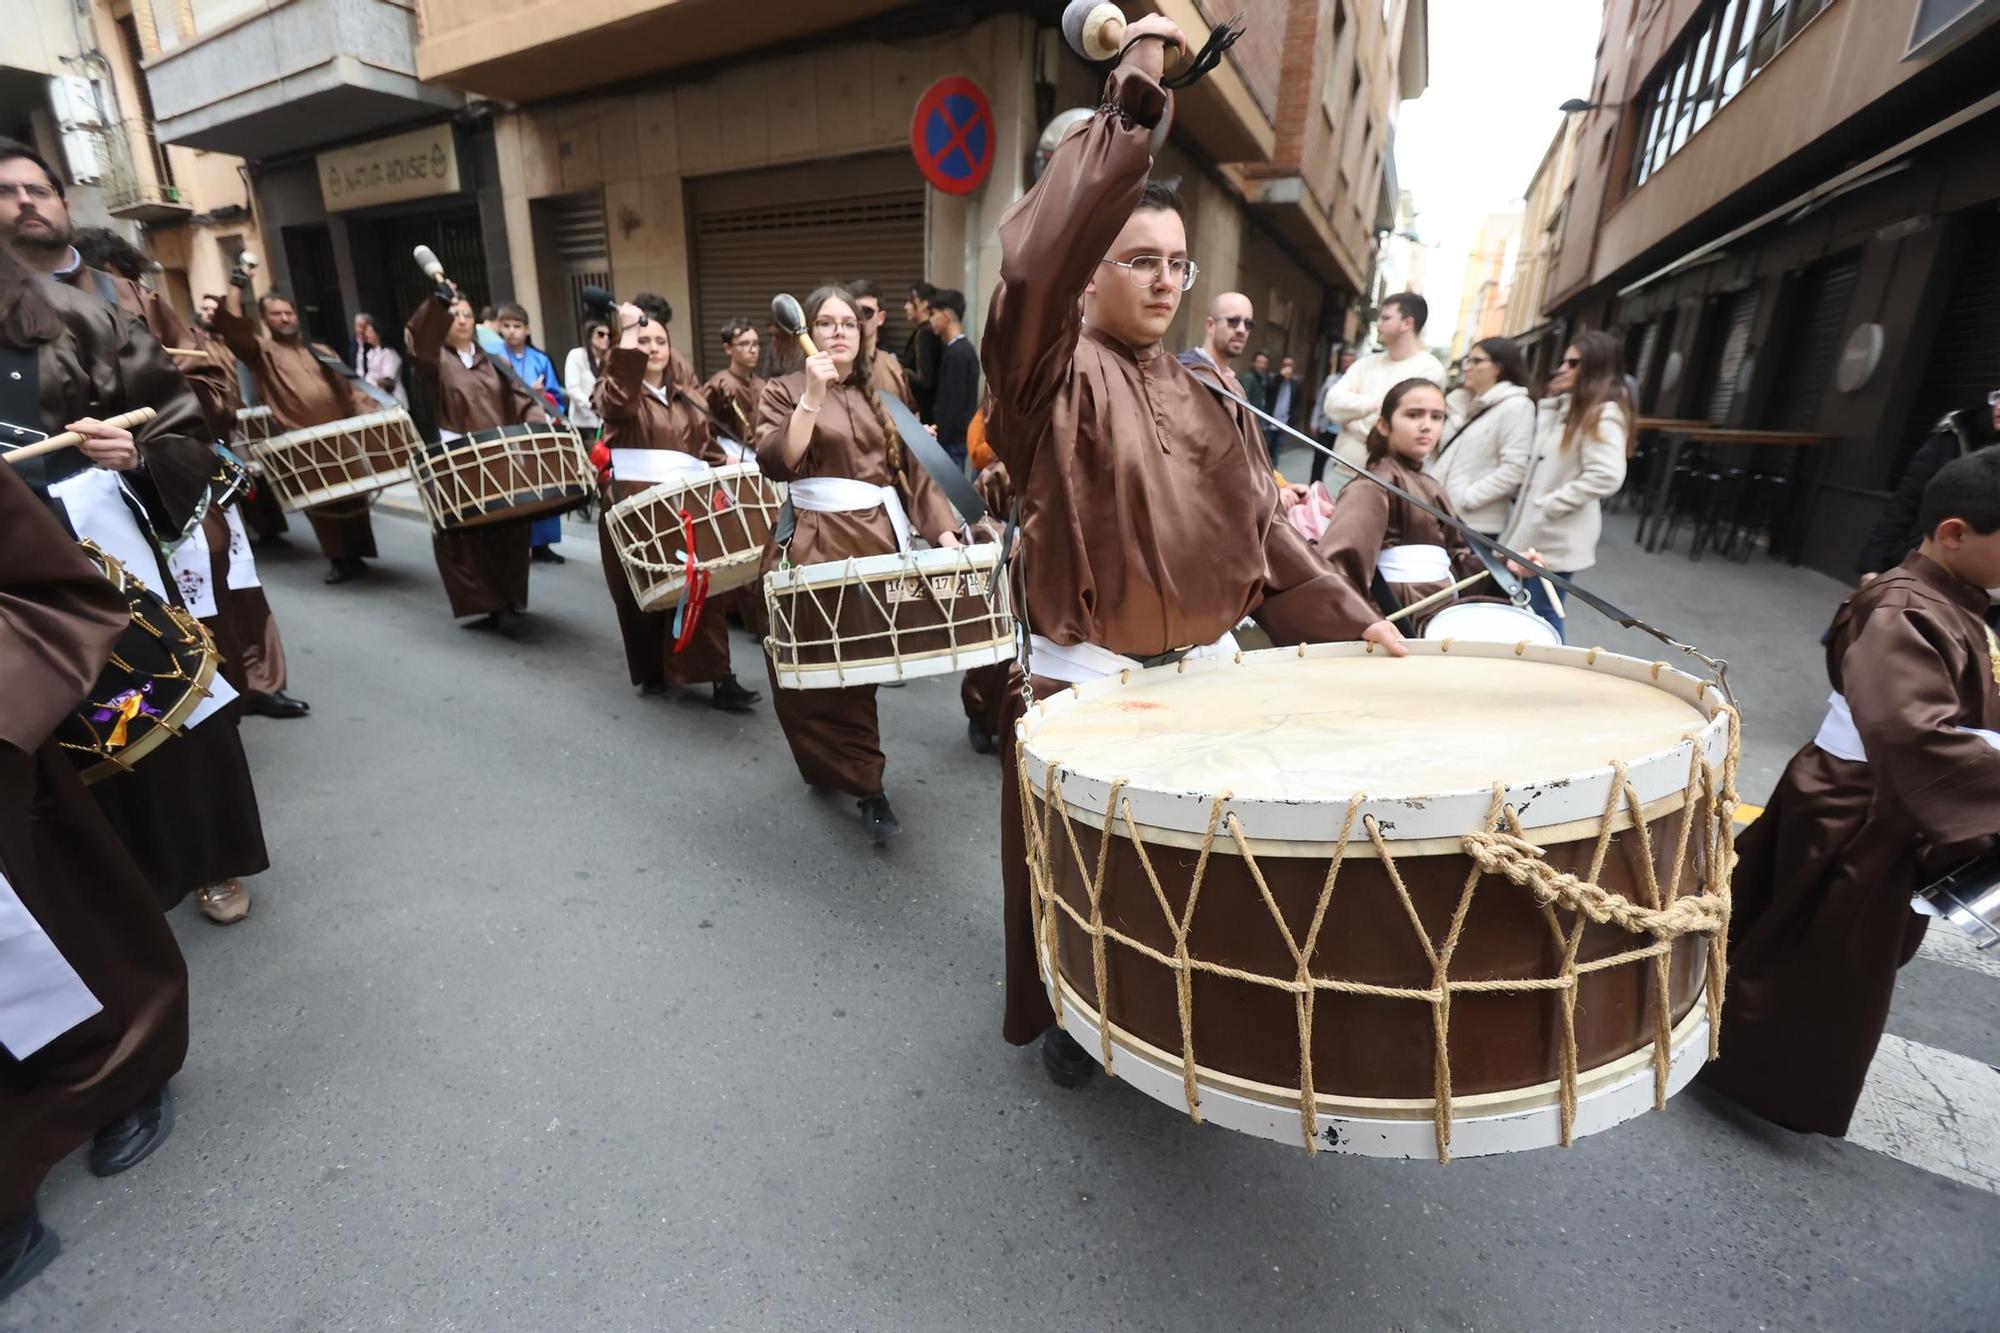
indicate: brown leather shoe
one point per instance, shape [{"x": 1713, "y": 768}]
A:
[{"x": 226, "y": 903}]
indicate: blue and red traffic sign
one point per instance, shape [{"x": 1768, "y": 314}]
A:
[{"x": 951, "y": 135}]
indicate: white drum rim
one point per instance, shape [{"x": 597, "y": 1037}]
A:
[
  {"x": 1457, "y": 610},
  {"x": 1414, "y": 816},
  {"x": 631, "y": 504},
  {"x": 936, "y": 559},
  {"x": 341, "y": 427},
  {"x": 726, "y": 574},
  {"x": 1607, "y": 1095},
  {"x": 916, "y": 666}
]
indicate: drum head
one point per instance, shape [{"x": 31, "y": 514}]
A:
[{"x": 1491, "y": 622}]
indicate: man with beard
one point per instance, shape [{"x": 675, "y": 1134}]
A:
[
  {"x": 1224, "y": 336},
  {"x": 262, "y": 513}
]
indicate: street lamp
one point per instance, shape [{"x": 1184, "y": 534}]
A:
[{"x": 1576, "y": 104}]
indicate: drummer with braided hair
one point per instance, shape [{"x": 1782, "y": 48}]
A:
[
  {"x": 485, "y": 567},
  {"x": 1150, "y": 521},
  {"x": 825, "y": 431},
  {"x": 656, "y": 430}
]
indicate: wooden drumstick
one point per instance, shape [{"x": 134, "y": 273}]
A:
[
  {"x": 1442, "y": 594},
  {"x": 789, "y": 315},
  {"x": 190, "y": 353},
  {"x": 125, "y": 421}
]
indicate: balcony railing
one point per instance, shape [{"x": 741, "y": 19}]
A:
[{"x": 135, "y": 184}]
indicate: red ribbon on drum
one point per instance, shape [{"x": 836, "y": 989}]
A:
[{"x": 687, "y": 616}]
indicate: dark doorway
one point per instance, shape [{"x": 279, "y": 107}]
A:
[
  {"x": 391, "y": 286},
  {"x": 316, "y": 285}
]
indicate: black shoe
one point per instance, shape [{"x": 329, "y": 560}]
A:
[
  {"x": 981, "y": 739},
  {"x": 275, "y": 704},
  {"x": 877, "y": 819},
  {"x": 1069, "y": 1065},
  {"x": 26, "y": 1247},
  {"x": 346, "y": 571},
  {"x": 546, "y": 555},
  {"x": 730, "y": 696},
  {"x": 654, "y": 686},
  {"x": 130, "y": 1140}
]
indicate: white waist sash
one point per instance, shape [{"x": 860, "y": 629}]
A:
[
  {"x": 242, "y": 562},
  {"x": 41, "y": 996},
  {"x": 1414, "y": 564},
  {"x": 654, "y": 466},
  {"x": 844, "y": 495},
  {"x": 1838, "y": 737},
  {"x": 1081, "y": 663}
]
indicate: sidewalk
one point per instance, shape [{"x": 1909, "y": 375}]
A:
[{"x": 1764, "y": 618}]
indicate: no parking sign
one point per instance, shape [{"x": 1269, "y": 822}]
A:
[{"x": 951, "y": 135}]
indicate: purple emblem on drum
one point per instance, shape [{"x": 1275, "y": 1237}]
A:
[{"x": 123, "y": 707}]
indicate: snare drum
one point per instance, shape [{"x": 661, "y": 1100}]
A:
[
  {"x": 351, "y": 457},
  {"x": 888, "y": 617},
  {"x": 729, "y": 510},
  {"x": 1419, "y": 932},
  {"x": 159, "y": 675},
  {"x": 1491, "y": 622},
  {"x": 498, "y": 475}
]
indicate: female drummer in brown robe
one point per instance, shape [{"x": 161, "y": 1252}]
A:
[
  {"x": 66, "y": 1078},
  {"x": 1150, "y": 521},
  {"x": 647, "y": 412},
  {"x": 1902, "y": 781},
  {"x": 823, "y": 430},
  {"x": 1386, "y": 547},
  {"x": 484, "y": 568}
]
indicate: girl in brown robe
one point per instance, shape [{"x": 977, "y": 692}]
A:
[
  {"x": 825, "y": 423},
  {"x": 1386, "y": 547},
  {"x": 656, "y": 427},
  {"x": 484, "y": 568},
  {"x": 1902, "y": 781}
]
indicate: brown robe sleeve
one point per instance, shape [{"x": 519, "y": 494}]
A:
[
  {"x": 930, "y": 512},
  {"x": 240, "y": 334},
  {"x": 129, "y": 369},
  {"x": 424, "y": 332},
  {"x": 1904, "y": 693},
  {"x": 1050, "y": 245},
  {"x": 622, "y": 385},
  {"x": 773, "y": 419},
  {"x": 59, "y": 617},
  {"x": 1354, "y": 536}
]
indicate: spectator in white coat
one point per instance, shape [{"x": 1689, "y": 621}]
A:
[
  {"x": 1578, "y": 459},
  {"x": 580, "y": 370},
  {"x": 1354, "y": 400},
  {"x": 1488, "y": 435}
]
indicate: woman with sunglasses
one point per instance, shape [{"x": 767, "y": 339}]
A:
[
  {"x": 1490, "y": 430},
  {"x": 824, "y": 431},
  {"x": 1578, "y": 459},
  {"x": 581, "y": 369}
]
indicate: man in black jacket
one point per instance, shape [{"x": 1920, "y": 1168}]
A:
[
  {"x": 1955, "y": 435},
  {"x": 921, "y": 352},
  {"x": 958, "y": 374}
]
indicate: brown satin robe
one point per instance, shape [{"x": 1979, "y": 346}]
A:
[
  {"x": 1368, "y": 520},
  {"x": 1821, "y": 919},
  {"x": 188, "y": 812},
  {"x": 634, "y": 419},
  {"x": 984, "y": 691},
  {"x": 834, "y": 736},
  {"x": 262, "y": 513},
  {"x": 213, "y": 381},
  {"x": 58, "y": 622},
  {"x": 887, "y": 373},
  {"x": 733, "y": 399},
  {"x": 484, "y": 568},
  {"x": 301, "y": 392},
  {"x": 1150, "y": 519}
]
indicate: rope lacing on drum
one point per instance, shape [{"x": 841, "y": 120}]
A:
[
  {"x": 853, "y": 648},
  {"x": 1506, "y": 855}
]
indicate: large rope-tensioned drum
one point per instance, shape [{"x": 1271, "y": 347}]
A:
[{"x": 1470, "y": 901}]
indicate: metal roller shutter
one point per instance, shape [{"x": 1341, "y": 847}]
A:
[
  {"x": 1963, "y": 366},
  {"x": 1814, "y": 337},
  {"x": 1740, "y": 316},
  {"x": 743, "y": 256}
]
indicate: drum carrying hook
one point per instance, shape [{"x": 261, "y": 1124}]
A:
[{"x": 1483, "y": 544}]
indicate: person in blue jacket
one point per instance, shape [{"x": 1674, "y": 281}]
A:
[{"x": 532, "y": 364}]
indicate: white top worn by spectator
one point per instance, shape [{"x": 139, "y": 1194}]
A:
[
  {"x": 1560, "y": 514},
  {"x": 1485, "y": 457},
  {"x": 1354, "y": 401},
  {"x": 579, "y": 381}
]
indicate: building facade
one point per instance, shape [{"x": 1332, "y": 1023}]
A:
[
  {"x": 540, "y": 147},
  {"x": 1490, "y": 273},
  {"x": 1790, "y": 211},
  {"x": 1542, "y": 211}
]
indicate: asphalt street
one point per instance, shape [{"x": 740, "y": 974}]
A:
[{"x": 566, "y": 1009}]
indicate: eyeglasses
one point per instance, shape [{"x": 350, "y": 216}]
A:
[
  {"x": 40, "y": 194},
  {"x": 1476, "y": 359},
  {"x": 1239, "y": 322},
  {"x": 1571, "y": 362},
  {"x": 867, "y": 312},
  {"x": 826, "y": 326},
  {"x": 1146, "y": 269}
]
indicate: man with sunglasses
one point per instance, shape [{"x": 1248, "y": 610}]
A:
[
  {"x": 1149, "y": 524},
  {"x": 884, "y": 369},
  {"x": 1225, "y": 333}
]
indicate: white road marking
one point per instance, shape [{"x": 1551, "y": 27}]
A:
[
  {"x": 1946, "y": 943},
  {"x": 1934, "y": 1110}
]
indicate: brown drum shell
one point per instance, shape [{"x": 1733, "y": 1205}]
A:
[
  {"x": 513, "y": 485},
  {"x": 928, "y": 615},
  {"x": 732, "y": 545},
  {"x": 1364, "y": 1045}
]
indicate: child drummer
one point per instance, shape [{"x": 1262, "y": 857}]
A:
[{"x": 1903, "y": 778}]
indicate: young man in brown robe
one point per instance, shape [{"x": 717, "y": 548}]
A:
[
  {"x": 262, "y": 514},
  {"x": 301, "y": 390},
  {"x": 93, "y": 992},
  {"x": 656, "y": 431},
  {"x": 1149, "y": 518},
  {"x": 732, "y": 394},
  {"x": 484, "y": 568},
  {"x": 1902, "y": 781}
]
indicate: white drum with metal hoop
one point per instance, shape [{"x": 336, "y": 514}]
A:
[
  {"x": 880, "y": 618},
  {"x": 355, "y": 456}
]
